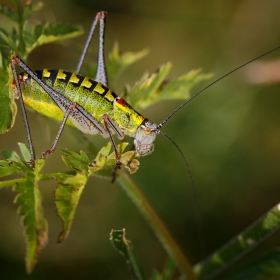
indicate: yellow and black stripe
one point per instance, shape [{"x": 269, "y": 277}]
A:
[{"x": 93, "y": 96}]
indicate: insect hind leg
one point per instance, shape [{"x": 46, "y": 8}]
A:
[
  {"x": 14, "y": 62},
  {"x": 101, "y": 75}
]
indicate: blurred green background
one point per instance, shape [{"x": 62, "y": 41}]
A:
[{"x": 230, "y": 135}]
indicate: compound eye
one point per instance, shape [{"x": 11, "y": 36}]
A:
[{"x": 148, "y": 130}]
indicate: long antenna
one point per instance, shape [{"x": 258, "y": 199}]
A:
[
  {"x": 222, "y": 77},
  {"x": 200, "y": 231}
]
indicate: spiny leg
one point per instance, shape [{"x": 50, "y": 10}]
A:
[
  {"x": 67, "y": 113},
  {"x": 14, "y": 61},
  {"x": 101, "y": 75}
]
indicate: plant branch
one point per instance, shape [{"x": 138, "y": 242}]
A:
[{"x": 156, "y": 224}]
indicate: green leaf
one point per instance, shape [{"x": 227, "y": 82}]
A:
[
  {"x": 127, "y": 159},
  {"x": 29, "y": 198},
  {"x": 124, "y": 247},
  {"x": 67, "y": 196},
  {"x": 105, "y": 150},
  {"x": 167, "y": 273},
  {"x": 28, "y": 36},
  {"x": 24, "y": 151},
  {"x": 70, "y": 188},
  {"x": 9, "y": 42},
  {"x": 8, "y": 168},
  {"x": 144, "y": 92},
  {"x": 266, "y": 267},
  {"x": 168, "y": 270},
  {"x": 3, "y": 39},
  {"x": 9, "y": 183},
  {"x": 8, "y": 107},
  {"x": 25, "y": 38},
  {"x": 106, "y": 159},
  {"x": 180, "y": 88},
  {"x": 14, "y": 159},
  {"x": 15, "y": 164},
  {"x": 50, "y": 34},
  {"x": 6, "y": 11},
  {"x": 35, "y": 226},
  {"x": 156, "y": 87},
  {"x": 31, "y": 9},
  {"x": 22, "y": 12},
  {"x": 240, "y": 245},
  {"x": 76, "y": 161},
  {"x": 101, "y": 160},
  {"x": 38, "y": 30},
  {"x": 118, "y": 62}
]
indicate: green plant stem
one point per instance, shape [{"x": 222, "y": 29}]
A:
[
  {"x": 240, "y": 245},
  {"x": 20, "y": 27},
  {"x": 156, "y": 224}
]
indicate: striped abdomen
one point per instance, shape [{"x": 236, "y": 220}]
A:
[{"x": 94, "y": 97}]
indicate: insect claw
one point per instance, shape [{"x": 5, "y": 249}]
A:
[
  {"x": 31, "y": 163},
  {"x": 44, "y": 154},
  {"x": 47, "y": 152}
]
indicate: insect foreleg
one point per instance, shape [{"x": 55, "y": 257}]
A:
[
  {"x": 108, "y": 123},
  {"x": 101, "y": 75},
  {"x": 23, "y": 111},
  {"x": 51, "y": 150}
]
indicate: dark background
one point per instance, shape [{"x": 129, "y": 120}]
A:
[{"x": 230, "y": 135}]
